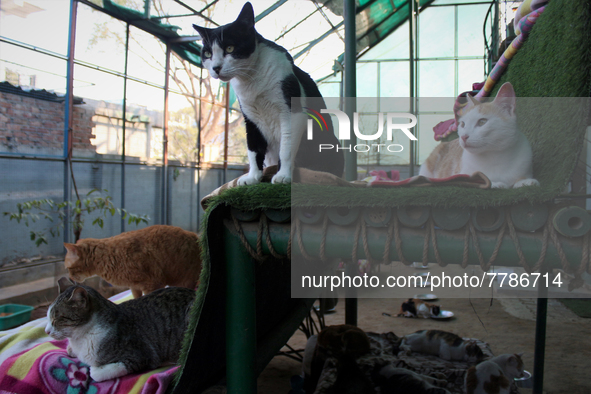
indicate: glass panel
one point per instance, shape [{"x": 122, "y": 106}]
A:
[
  {"x": 145, "y": 105},
  {"x": 470, "y": 39},
  {"x": 40, "y": 23},
  {"x": 436, "y": 32},
  {"x": 143, "y": 192},
  {"x": 147, "y": 57},
  {"x": 394, "y": 79},
  {"x": 319, "y": 61},
  {"x": 31, "y": 120},
  {"x": 183, "y": 132},
  {"x": 32, "y": 70},
  {"x": 367, "y": 82},
  {"x": 394, "y": 46},
  {"x": 107, "y": 178},
  {"x": 183, "y": 198},
  {"x": 470, "y": 71},
  {"x": 27, "y": 180},
  {"x": 100, "y": 39},
  {"x": 436, "y": 78}
]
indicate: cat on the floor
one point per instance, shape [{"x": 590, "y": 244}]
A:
[
  {"x": 489, "y": 141},
  {"x": 494, "y": 376},
  {"x": 116, "y": 340},
  {"x": 265, "y": 79},
  {"x": 392, "y": 380},
  {"x": 443, "y": 344},
  {"x": 414, "y": 307},
  {"x": 144, "y": 260}
]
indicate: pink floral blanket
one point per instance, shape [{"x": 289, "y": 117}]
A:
[{"x": 33, "y": 363}]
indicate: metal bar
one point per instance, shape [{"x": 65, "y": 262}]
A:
[
  {"x": 540, "y": 341},
  {"x": 350, "y": 88},
  {"x": 123, "y": 129},
  {"x": 226, "y": 131},
  {"x": 207, "y": 6},
  {"x": 68, "y": 113},
  {"x": 412, "y": 76},
  {"x": 350, "y": 108},
  {"x": 319, "y": 9},
  {"x": 296, "y": 25},
  {"x": 269, "y": 10},
  {"x": 164, "y": 205},
  {"x": 147, "y": 9},
  {"x": 194, "y": 11},
  {"x": 240, "y": 317}
]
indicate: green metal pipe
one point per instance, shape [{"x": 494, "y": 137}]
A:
[
  {"x": 340, "y": 240},
  {"x": 350, "y": 82},
  {"x": 240, "y": 317}
]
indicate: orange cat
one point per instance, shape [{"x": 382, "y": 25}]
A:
[{"x": 144, "y": 260}]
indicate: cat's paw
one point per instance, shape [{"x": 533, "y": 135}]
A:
[
  {"x": 108, "y": 372},
  {"x": 281, "y": 178},
  {"x": 70, "y": 351},
  {"x": 526, "y": 182},
  {"x": 499, "y": 185},
  {"x": 250, "y": 179}
]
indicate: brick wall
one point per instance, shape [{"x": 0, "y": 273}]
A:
[{"x": 32, "y": 125}]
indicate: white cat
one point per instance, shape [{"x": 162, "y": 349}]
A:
[
  {"x": 489, "y": 141},
  {"x": 265, "y": 80},
  {"x": 443, "y": 344},
  {"x": 495, "y": 375}
]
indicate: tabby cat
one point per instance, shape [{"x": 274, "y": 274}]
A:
[
  {"x": 443, "y": 344},
  {"x": 115, "y": 340},
  {"x": 414, "y": 307},
  {"x": 488, "y": 141},
  {"x": 144, "y": 260},
  {"x": 265, "y": 79},
  {"x": 494, "y": 376}
]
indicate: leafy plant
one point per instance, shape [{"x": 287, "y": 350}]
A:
[{"x": 34, "y": 210}]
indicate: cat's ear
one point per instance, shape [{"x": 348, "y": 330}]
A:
[
  {"x": 506, "y": 98},
  {"x": 64, "y": 283},
  {"x": 71, "y": 255},
  {"x": 79, "y": 296},
  {"x": 72, "y": 249},
  {"x": 203, "y": 31},
  {"x": 471, "y": 102},
  {"x": 246, "y": 17}
]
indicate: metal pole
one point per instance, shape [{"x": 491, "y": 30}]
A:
[
  {"x": 69, "y": 112},
  {"x": 350, "y": 83},
  {"x": 164, "y": 205},
  {"x": 540, "y": 341},
  {"x": 124, "y": 116},
  {"x": 412, "y": 77},
  {"x": 350, "y": 108},
  {"x": 226, "y": 131}
]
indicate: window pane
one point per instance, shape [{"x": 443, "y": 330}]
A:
[
  {"x": 436, "y": 32},
  {"x": 436, "y": 78},
  {"x": 470, "y": 38},
  {"x": 32, "y": 70},
  {"x": 470, "y": 71},
  {"x": 40, "y": 23},
  {"x": 147, "y": 57},
  {"x": 100, "y": 39}
]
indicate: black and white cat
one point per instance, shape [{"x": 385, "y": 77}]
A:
[{"x": 265, "y": 79}]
